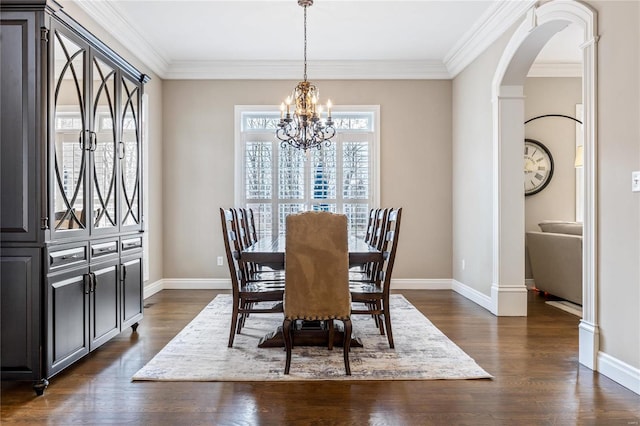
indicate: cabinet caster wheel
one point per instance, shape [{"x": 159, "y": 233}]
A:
[
  {"x": 40, "y": 386},
  {"x": 134, "y": 327}
]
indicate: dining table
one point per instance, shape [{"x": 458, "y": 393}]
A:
[{"x": 270, "y": 252}]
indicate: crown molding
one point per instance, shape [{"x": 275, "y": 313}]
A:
[
  {"x": 107, "y": 15},
  {"x": 493, "y": 23},
  {"x": 486, "y": 30},
  {"x": 555, "y": 69},
  {"x": 291, "y": 70}
]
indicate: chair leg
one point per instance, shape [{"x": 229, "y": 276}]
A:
[
  {"x": 387, "y": 325},
  {"x": 286, "y": 333},
  {"x": 346, "y": 344},
  {"x": 376, "y": 318},
  {"x": 234, "y": 320},
  {"x": 331, "y": 334},
  {"x": 246, "y": 306}
]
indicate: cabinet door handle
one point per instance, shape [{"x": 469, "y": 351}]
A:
[
  {"x": 121, "y": 150},
  {"x": 135, "y": 244},
  {"x": 104, "y": 250},
  {"x": 72, "y": 256},
  {"x": 93, "y": 141},
  {"x": 94, "y": 282},
  {"x": 86, "y": 283},
  {"x": 124, "y": 272},
  {"x": 81, "y": 139}
]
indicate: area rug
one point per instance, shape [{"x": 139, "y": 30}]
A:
[
  {"x": 566, "y": 306},
  {"x": 200, "y": 353}
]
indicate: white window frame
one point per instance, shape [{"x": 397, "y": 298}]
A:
[
  {"x": 374, "y": 153},
  {"x": 146, "y": 211}
]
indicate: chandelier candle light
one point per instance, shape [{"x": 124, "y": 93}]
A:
[{"x": 305, "y": 128}]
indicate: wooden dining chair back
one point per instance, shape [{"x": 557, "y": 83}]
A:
[
  {"x": 317, "y": 276},
  {"x": 251, "y": 225},
  {"x": 242, "y": 227},
  {"x": 371, "y": 296},
  {"x": 250, "y": 291},
  {"x": 379, "y": 227},
  {"x": 373, "y": 214},
  {"x": 377, "y": 240}
]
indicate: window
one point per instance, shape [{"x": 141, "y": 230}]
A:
[{"x": 276, "y": 180}]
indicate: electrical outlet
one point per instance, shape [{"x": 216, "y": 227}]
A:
[
  {"x": 635, "y": 181},
  {"x": 220, "y": 261}
]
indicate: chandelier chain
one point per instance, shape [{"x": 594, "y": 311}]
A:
[{"x": 305, "y": 43}]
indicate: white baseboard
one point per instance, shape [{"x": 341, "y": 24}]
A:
[
  {"x": 588, "y": 344},
  {"x": 153, "y": 288},
  {"x": 472, "y": 294},
  {"x": 225, "y": 284},
  {"x": 197, "y": 283},
  {"x": 620, "y": 372},
  {"x": 530, "y": 283},
  {"x": 186, "y": 284}
]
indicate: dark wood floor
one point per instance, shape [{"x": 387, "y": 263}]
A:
[{"x": 537, "y": 379}]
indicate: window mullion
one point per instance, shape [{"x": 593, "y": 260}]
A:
[
  {"x": 339, "y": 173},
  {"x": 275, "y": 169}
]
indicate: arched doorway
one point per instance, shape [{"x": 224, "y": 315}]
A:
[{"x": 508, "y": 292}]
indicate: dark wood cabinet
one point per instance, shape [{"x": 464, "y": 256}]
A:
[
  {"x": 67, "y": 319},
  {"x": 104, "y": 309},
  {"x": 71, "y": 214},
  {"x": 132, "y": 301},
  {"x": 20, "y": 313},
  {"x": 21, "y": 131}
]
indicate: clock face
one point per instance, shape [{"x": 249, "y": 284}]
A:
[{"x": 538, "y": 166}]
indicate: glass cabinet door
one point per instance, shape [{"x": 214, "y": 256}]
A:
[
  {"x": 130, "y": 146},
  {"x": 103, "y": 146},
  {"x": 71, "y": 139}
]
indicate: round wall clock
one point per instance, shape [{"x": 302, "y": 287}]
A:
[{"x": 538, "y": 166}]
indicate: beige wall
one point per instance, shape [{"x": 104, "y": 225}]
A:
[
  {"x": 619, "y": 155},
  {"x": 199, "y": 171},
  {"x": 472, "y": 168},
  {"x": 154, "y": 89},
  {"x": 553, "y": 96},
  {"x": 618, "y": 208}
]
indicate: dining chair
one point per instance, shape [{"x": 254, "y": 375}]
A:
[
  {"x": 368, "y": 270},
  {"x": 373, "y": 214},
  {"x": 242, "y": 227},
  {"x": 317, "y": 276},
  {"x": 245, "y": 226},
  {"x": 253, "y": 292},
  {"x": 379, "y": 225},
  {"x": 370, "y": 295},
  {"x": 368, "y": 238},
  {"x": 251, "y": 223}
]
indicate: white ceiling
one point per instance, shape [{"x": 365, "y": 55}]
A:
[{"x": 346, "y": 38}]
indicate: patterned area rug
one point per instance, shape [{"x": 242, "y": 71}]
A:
[{"x": 200, "y": 353}]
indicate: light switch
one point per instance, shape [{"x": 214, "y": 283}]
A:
[{"x": 635, "y": 181}]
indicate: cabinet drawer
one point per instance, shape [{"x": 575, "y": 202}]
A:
[
  {"x": 67, "y": 256},
  {"x": 100, "y": 250},
  {"x": 131, "y": 244}
]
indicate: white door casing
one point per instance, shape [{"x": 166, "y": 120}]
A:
[{"x": 508, "y": 291}]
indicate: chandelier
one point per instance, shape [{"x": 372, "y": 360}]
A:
[{"x": 304, "y": 128}]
